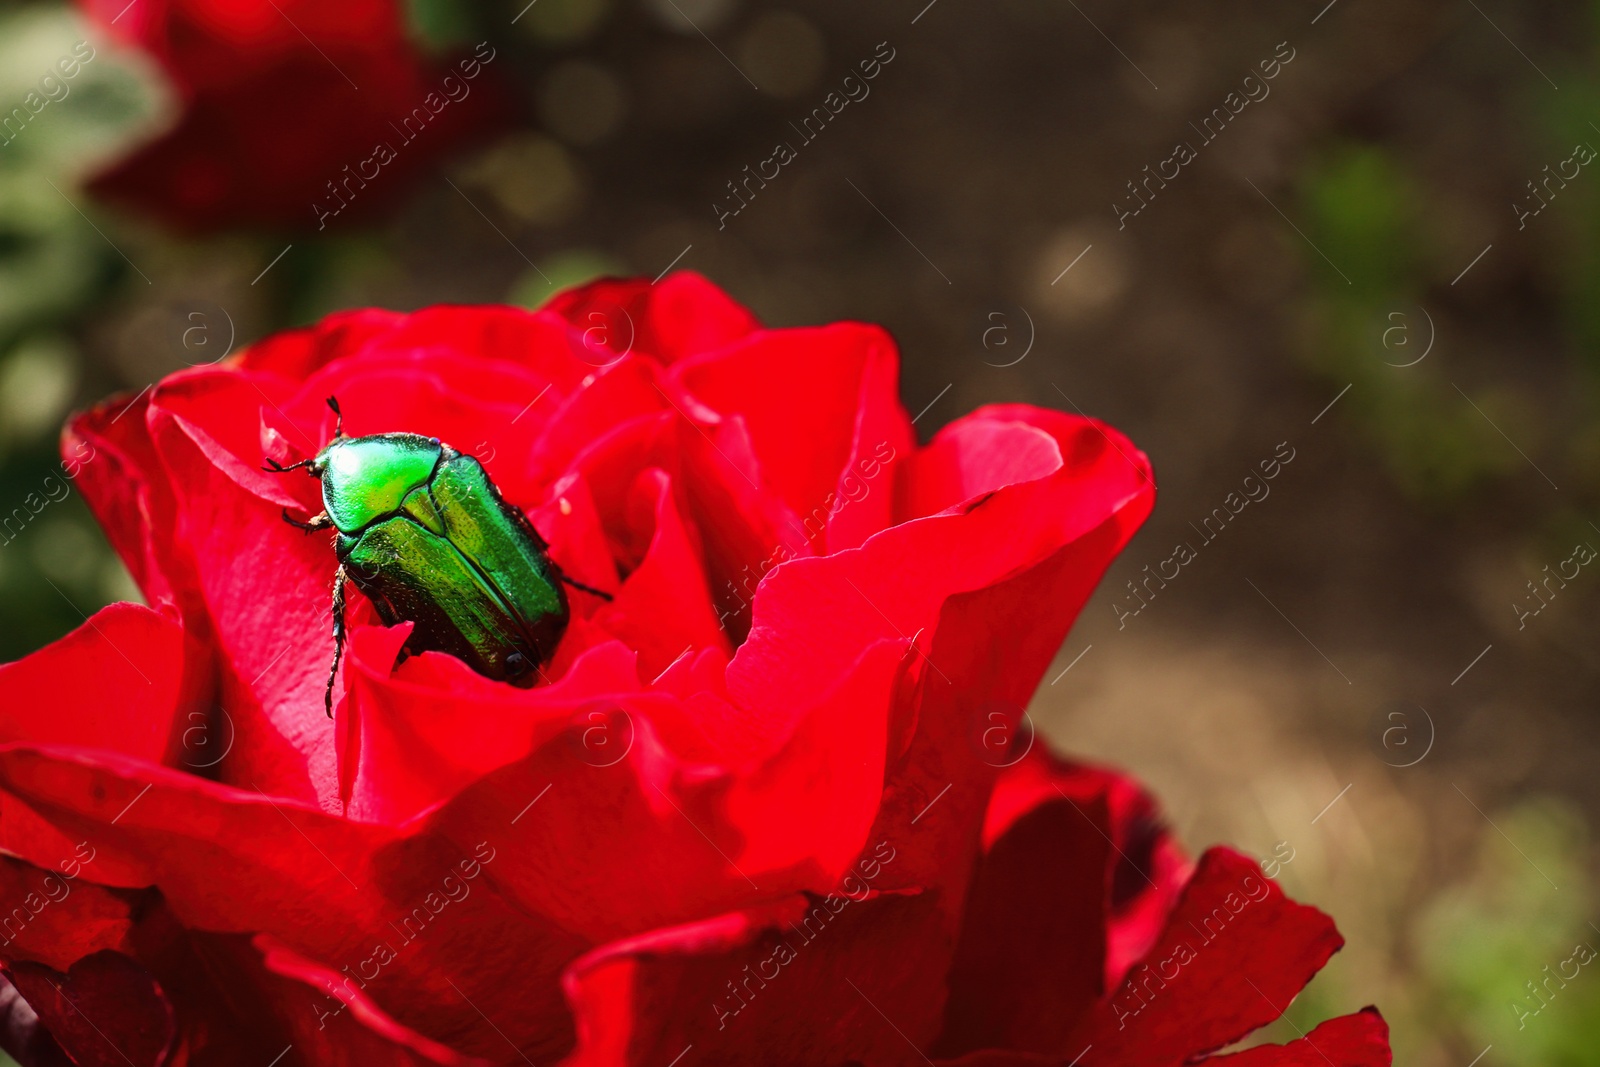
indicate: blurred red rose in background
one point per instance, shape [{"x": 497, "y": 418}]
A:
[
  {"x": 291, "y": 112},
  {"x": 778, "y": 802}
]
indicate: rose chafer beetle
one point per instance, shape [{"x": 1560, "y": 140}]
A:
[{"x": 422, "y": 531}]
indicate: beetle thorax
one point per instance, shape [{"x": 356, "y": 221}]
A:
[{"x": 368, "y": 478}]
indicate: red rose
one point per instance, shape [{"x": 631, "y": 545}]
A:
[
  {"x": 292, "y": 112},
  {"x": 776, "y": 805}
]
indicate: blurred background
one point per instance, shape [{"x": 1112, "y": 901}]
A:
[{"x": 1350, "y": 244}]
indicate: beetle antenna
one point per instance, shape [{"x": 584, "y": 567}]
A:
[
  {"x": 272, "y": 466},
  {"x": 338, "y": 417}
]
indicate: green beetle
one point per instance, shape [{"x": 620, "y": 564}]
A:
[{"x": 423, "y": 532}]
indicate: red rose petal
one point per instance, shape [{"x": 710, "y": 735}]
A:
[
  {"x": 615, "y": 396},
  {"x": 57, "y": 915},
  {"x": 109, "y": 451},
  {"x": 676, "y": 317},
  {"x": 663, "y": 608},
  {"x": 345, "y": 1028},
  {"x": 570, "y": 521},
  {"x": 1359, "y": 1040},
  {"x": 244, "y": 1000},
  {"x": 270, "y": 619},
  {"x": 105, "y": 1011},
  {"x": 1148, "y": 870},
  {"x": 1234, "y": 953},
  {"x": 754, "y": 531},
  {"x": 571, "y": 858},
  {"x": 696, "y": 674},
  {"x": 815, "y": 801},
  {"x": 1058, "y": 839},
  {"x": 1023, "y": 985},
  {"x": 609, "y": 799},
  {"x": 536, "y": 341},
  {"x": 971, "y": 457},
  {"x": 486, "y": 408},
  {"x": 802, "y": 434},
  {"x": 434, "y": 727},
  {"x": 327, "y": 887},
  {"x": 811, "y": 611},
  {"x": 230, "y": 999},
  {"x": 208, "y": 45},
  {"x": 246, "y": 74},
  {"x": 882, "y": 435},
  {"x": 805, "y": 981},
  {"x": 296, "y": 354},
  {"x": 113, "y": 683}
]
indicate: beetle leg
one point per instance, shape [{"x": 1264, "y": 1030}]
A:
[
  {"x": 318, "y": 522},
  {"x": 591, "y": 590},
  {"x": 338, "y": 637}
]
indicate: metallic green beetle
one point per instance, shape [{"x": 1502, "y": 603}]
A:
[{"x": 424, "y": 533}]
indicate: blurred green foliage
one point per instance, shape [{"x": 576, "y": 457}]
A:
[
  {"x": 1483, "y": 946},
  {"x": 54, "y": 565},
  {"x": 440, "y": 24},
  {"x": 52, "y": 261},
  {"x": 564, "y": 270},
  {"x": 1365, "y": 321}
]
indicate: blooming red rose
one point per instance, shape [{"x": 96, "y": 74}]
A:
[
  {"x": 291, "y": 112},
  {"x": 775, "y": 803}
]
